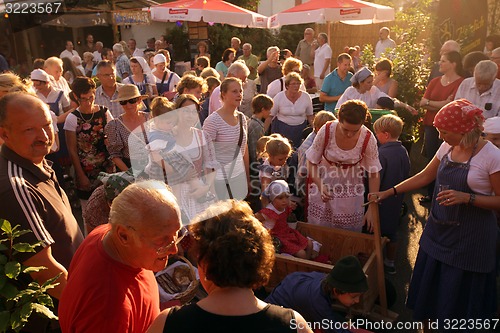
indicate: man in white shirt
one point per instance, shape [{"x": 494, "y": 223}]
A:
[
  {"x": 483, "y": 89},
  {"x": 69, "y": 52},
  {"x": 384, "y": 42},
  {"x": 54, "y": 67},
  {"x": 97, "y": 53},
  {"x": 322, "y": 54},
  {"x": 132, "y": 46}
]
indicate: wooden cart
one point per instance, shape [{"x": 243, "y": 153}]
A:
[{"x": 338, "y": 243}]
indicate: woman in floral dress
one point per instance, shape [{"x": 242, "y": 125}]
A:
[{"x": 84, "y": 129}]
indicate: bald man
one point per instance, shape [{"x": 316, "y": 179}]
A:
[
  {"x": 30, "y": 194},
  {"x": 112, "y": 287},
  {"x": 303, "y": 51}
]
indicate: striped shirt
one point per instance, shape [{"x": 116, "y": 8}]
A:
[
  {"x": 225, "y": 138},
  {"x": 32, "y": 198}
]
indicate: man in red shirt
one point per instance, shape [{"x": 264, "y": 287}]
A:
[{"x": 111, "y": 285}]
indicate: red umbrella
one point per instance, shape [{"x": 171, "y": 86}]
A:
[
  {"x": 216, "y": 11},
  {"x": 322, "y": 11}
]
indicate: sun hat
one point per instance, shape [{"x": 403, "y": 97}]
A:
[
  {"x": 361, "y": 75},
  {"x": 275, "y": 189},
  {"x": 159, "y": 58},
  {"x": 347, "y": 275},
  {"x": 458, "y": 117},
  {"x": 128, "y": 91},
  {"x": 40, "y": 75},
  {"x": 492, "y": 125}
]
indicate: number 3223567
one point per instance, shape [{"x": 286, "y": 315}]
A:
[{"x": 33, "y": 7}]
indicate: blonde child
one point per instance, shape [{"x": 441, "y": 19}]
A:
[
  {"x": 274, "y": 218},
  {"x": 320, "y": 119},
  {"x": 278, "y": 150},
  {"x": 395, "y": 168}
]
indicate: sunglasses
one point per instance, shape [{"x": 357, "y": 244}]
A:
[{"x": 130, "y": 101}]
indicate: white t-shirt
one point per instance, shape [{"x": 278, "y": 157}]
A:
[
  {"x": 292, "y": 113},
  {"x": 225, "y": 139},
  {"x": 320, "y": 55},
  {"x": 173, "y": 82},
  {"x": 485, "y": 163},
  {"x": 60, "y": 84},
  {"x": 64, "y": 101},
  {"x": 140, "y": 84},
  {"x": 97, "y": 56},
  {"x": 275, "y": 87},
  {"x": 56, "y": 130},
  {"x": 382, "y": 45},
  {"x": 369, "y": 97},
  {"x": 68, "y": 54}
]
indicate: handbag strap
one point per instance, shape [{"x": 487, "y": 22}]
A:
[{"x": 231, "y": 168}]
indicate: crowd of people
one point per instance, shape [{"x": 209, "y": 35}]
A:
[{"x": 124, "y": 126}]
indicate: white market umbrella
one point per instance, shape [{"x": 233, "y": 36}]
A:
[
  {"x": 324, "y": 11},
  {"x": 216, "y": 11}
]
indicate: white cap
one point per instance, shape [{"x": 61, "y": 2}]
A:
[
  {"x": 275, "y": 189},
  {"x": 159, "y": 58},
  {"x": 492, "y": 125},
  {"x": 40, "y": 75}
]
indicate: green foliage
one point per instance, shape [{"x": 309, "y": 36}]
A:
[
  {"x": 18, "y": 299},
  {"x": 179, "y": 38},
  {"x": 493, "y": 17},
  {"x": 411, "y": 67}
]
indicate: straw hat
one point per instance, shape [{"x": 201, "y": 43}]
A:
[{"x": 128, "y": 91}]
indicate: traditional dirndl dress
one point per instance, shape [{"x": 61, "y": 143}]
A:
[
  {"x": 454, "y": 275},
  {"x": 291, "y": 240},
  {"x": 343, "y": 172}
]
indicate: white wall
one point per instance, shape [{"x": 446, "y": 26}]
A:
[
  {"x": 141, "y": 33},
  {"x": 271, "y": 7}
]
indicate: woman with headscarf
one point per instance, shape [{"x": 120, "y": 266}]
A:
[
  {"x": 166, "y": 80},
  {"x": 363, "y": 89},
  {"x": 142, "y": 78},
  {"x": 454, "y": 274}
]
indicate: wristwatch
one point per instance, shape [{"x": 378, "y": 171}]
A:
[{"x": 428, "y": 102}]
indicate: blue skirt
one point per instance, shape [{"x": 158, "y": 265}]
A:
[
  {"x": 440, "y": 291},
  {"x": 291, "y": 132}
]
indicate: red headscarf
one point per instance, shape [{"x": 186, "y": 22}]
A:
[{"x": 459, "y": 116}]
